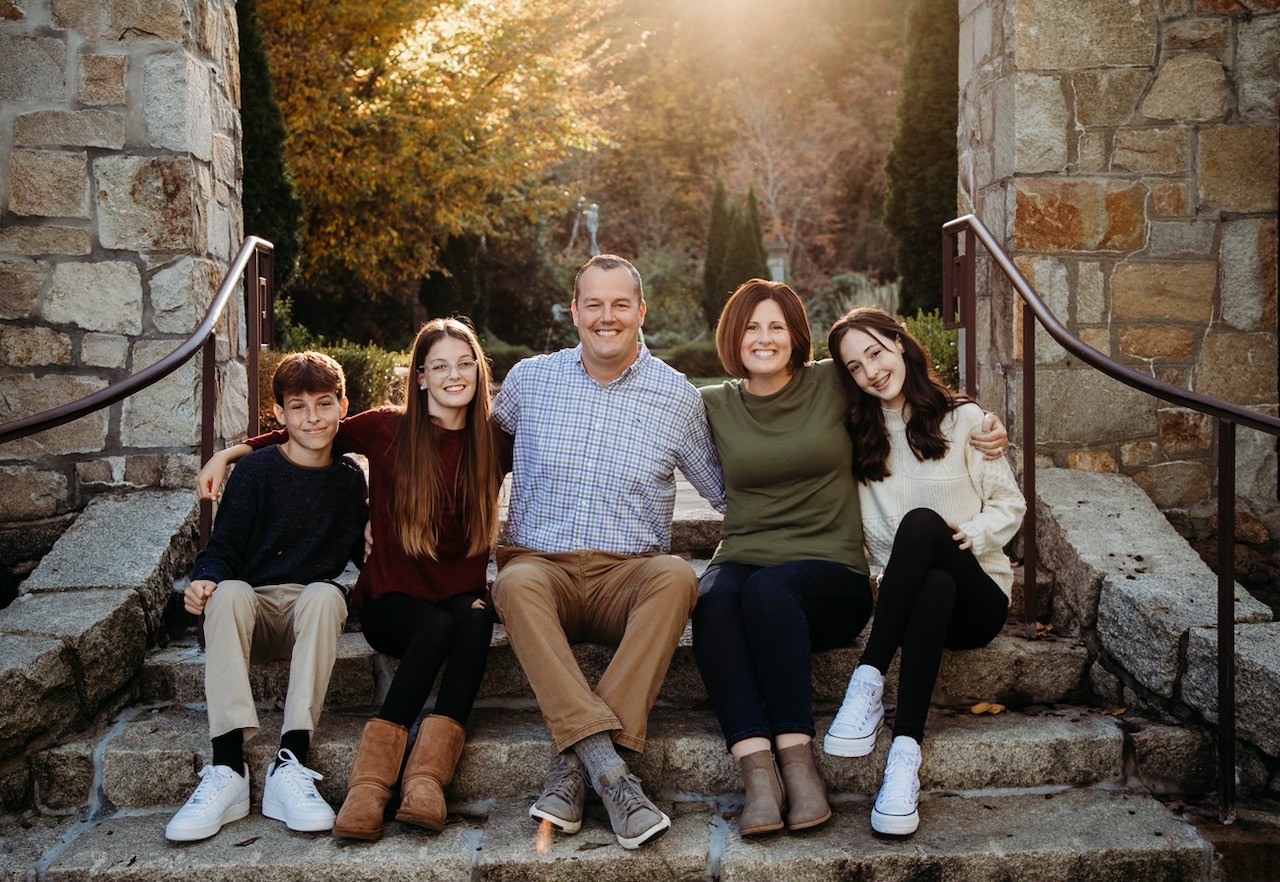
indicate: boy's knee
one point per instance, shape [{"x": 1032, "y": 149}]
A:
[
  {"x": 231, "y": 597},
  {"x": 324, "y": 601}
]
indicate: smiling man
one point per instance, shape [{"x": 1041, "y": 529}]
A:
[{"x": 599, "y": 431}]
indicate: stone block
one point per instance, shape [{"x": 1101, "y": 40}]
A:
[
  {"x": 31, "y": 540},
  {"x": 123, "y": 20},
  {"x": 104, "y": 632},
  {"x": 1092, "y": 461},
  {"x": 1174, "y": 484},
  {"x": 32, "y": 69},
  {"x": 1182, "y": 292},
  {"x": 1137, "y": 453},
  {"x": 176, "y": 104},
  {"x": 20, "y": 285},
  {"x": 232, "y": 418},
  {"x": 1086, "y": 406},
  {"x": 25, "y": 394},
  {"x": 1152, "y": 151},
  {"x": 1240, "y": 368},
  {"x": 1144, "y": 617},
  {"x": 148, "y": 203},
  {"x": 1255, "y": 460},
  {"x": 13, "y": 10},
  {"x": 63, "y": 777},
  {"x": 1107, "y": 97},
  {"x": 26, "y": 838},
  {"x": 1173, "y": 759},
  {"x": 1157, "y": 342},
  {"x": 1180, "y": 239},
  {"x": 103, "y": 79},
  {"x": 1091, "y": 304},
  {"x": 44, "y": 240},
  {"x": 1247, "y": 273},
  {"x": 180, "y": 294},
  {"x": 69, "y": 128},
  {"x": 37, "y": 688},
  {"x": 1084, "y": 34},
  {"x": 1238, "y": 167},
  {"x": 100, "y": 471},
  {"x": 33, "y": 347},
  {"x": 1191, "y": 87},
  {"x": 1096, "y": 338},
  {"x": 151, "y": 534},
  {"x": 1184, "y": 431},
  {"x": 1257, "y": 680},
  {"x": 1048, "y": 276},
  {"x": 165, "y": 414},
  {"x": 1091, "y": 152},
  {"x": 104, "y": 350},
  {"x": 28, "y": 492},
  {"x": 1076, "y": 214},
  {"x": 48, "y": 183},
  {"x": 1196, "y": 33},
  {"x": 1042, "y": 122},
  {"x": 1256, "y": 70},
  {"x": 1171, "y": 200},
  {"x": 101, "y": 296}
]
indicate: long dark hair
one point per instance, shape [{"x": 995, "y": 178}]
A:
[
  {"x": 929, "y": 399},
  {"x": 423, "y": 494}
]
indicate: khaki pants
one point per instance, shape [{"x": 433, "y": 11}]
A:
[
  {"x": 245, "y": 625},
  {"x": 638, "y": 603}
]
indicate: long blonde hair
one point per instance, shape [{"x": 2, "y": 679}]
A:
[{"x": 423, "y": 493}]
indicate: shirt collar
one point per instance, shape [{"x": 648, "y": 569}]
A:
[{"x": 631, "y": 370}]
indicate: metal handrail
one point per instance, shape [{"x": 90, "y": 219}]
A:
[
  {"x": 959, "y": 294},
  {"x": 255, "y": 251}
]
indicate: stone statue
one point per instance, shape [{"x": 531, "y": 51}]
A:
[{"x": 593, "y": 226}]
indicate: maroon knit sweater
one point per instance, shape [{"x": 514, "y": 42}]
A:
[{"x": 389, "y": 570}]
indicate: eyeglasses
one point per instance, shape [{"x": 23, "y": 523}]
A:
[{"x": 443, "y": 368}]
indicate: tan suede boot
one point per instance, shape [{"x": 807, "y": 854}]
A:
[
  {"x": 762, "y": 812},
  {"x": 428, "y": 772},
  {"x": 806, "y": 792},
  {"x": 373, "y": 774}
]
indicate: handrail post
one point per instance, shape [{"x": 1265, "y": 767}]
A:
[
  {"x": 208, "y": 401},
  {"x": 252, "y": 331},
  {"x": 1030, "y": 563},
  {"x": 948, "y": 279},
  {"x": 1226, "y": 621},
  {"x": 969, "y": 313}
]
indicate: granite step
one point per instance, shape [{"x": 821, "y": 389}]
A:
[
  {"x": 1099, "y": 835},
  {"x": 151, "y": 759},
  {"x": 1011, "y": 670}
]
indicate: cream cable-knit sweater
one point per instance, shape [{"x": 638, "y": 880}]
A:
[{"x": 978, "y": 494}]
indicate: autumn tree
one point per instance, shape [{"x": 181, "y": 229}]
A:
[{"x": 921, "y": 166}]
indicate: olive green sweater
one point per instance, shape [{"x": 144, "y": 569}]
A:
[{"x": 788, "y": 478}]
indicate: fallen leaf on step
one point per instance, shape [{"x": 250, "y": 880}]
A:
[
  {"x": 986, "y": 707},
  {"x": 1112, "y": 711},
  {"x": 250, "y": 841}
]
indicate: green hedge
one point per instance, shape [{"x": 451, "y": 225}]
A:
[
  {"x": 370, "y": 371},
  {"x": 503, "y": 358},
  {"x": 939, "y": 343},
  {"x": 694, "y": 359}
]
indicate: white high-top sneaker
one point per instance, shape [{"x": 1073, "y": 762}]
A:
[
  {"x": 895, "y": 810},
  {"x": 853, "y": 731}
]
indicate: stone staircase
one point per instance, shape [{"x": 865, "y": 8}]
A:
[{"x": 1056, "y": 786}]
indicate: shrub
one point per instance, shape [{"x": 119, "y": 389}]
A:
[
  {"x": 372, "y": 379},
  {"x": 695, "y": 359},
  {"x": 504, "y": 357},
  {"x": 939, "y": 343}
]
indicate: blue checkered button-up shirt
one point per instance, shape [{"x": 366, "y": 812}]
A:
[{"x": 594, "y": 465}]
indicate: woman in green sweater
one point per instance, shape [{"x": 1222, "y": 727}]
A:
[{"x": 789, "y": 577}]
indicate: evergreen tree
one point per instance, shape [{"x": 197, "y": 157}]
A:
[
  {"x": 458, "y": 289},
  {"x": 921, "y": 165},
  {"x": 272, "y": 207},
  {"x": 757, "y": 233},
  {"x": 744, "y": 258},
  {"x": 718, "y": 231}
]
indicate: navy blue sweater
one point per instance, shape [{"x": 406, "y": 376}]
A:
[{"x": 279, "y": 522}]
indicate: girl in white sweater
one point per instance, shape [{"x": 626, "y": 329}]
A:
[{"x": 936, "y": 516}]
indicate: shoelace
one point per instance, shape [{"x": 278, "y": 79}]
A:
[
  {"x": 852, "y": 699},
  {"x": 560, "y": 782},
  {"x": 297, "y": 776},
  {"x": 898, "y": 777},
  {"x": 627, "y": 793},
  {"x": 211, "y": 778}
]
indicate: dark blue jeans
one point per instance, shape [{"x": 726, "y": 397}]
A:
[{"x": 754, "y": 630}]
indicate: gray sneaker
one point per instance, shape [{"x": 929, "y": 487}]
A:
[
  {"x": 564, "y": 792},
  {"x": 634, "y": 818}
]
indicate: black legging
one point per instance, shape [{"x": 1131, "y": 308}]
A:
[
  {"x": 423, "y": 634},
  {"x": 932, "y": 596}
]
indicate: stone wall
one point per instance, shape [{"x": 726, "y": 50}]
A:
[
  {"x": 1126, "y": 154},
  {"x": 119, "y": 210}
]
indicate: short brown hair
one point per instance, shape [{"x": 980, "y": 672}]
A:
[
  {"x": 312, "y": 372},
  {"x": 737, "y": 314},
  {"x": 609, "y": 262}
]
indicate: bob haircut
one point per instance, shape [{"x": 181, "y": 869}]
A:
[
  {"x": 736, "y": 315},
  {"x": 311, "y": 372}
]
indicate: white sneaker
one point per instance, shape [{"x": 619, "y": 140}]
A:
[
  {"x": 853, "y": 731},
  {"x": 290, "y": 795},
  {"x": 895, "y": 810},
  {"x": 222, "y": 796}
]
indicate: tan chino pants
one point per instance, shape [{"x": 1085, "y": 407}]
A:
[
  {"x": 245, "y": 625},
  {"x": 637, "y": 603}
]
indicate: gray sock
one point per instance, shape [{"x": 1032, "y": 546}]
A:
[{"x": 598, "y": 755}]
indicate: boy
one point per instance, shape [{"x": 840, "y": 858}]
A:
[{"x": 290, "y": 519}]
